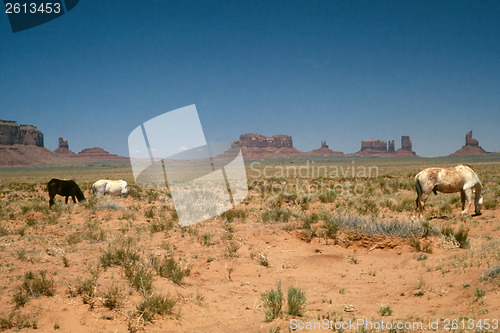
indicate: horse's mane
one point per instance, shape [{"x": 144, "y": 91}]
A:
[{"x": 470, "y": 166}]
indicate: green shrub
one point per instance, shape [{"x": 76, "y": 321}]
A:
[
  {"x": 327, "y": 197},
  {"x": 296, "y": 302},
  {"x": 170, "y": 268},
  {"x": 385, "y": 311},
  {"x": 140, "y": 277},
  {"x": 112, "y": 298},
  {"x": 155, "y": 305},
  {"x": 273, "y": 301},
  {"x": 34, "y": 285},
  {"x": 276, "y": 215}
]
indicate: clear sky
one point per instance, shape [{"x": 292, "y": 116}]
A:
[{"x": 343, "y": 71}]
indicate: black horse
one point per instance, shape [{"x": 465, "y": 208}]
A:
[{"x": 64, "y": 188}]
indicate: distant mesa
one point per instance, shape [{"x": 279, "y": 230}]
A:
[
  {"x": 260, "y": 146},
  {"x": 324, "y": 150},
  {"x": 471, "y": 147},
  {"x": 99, "y": 153},
  {"x": 383, "y": 148},
  {"x": 63, "y": 148},
  {"x": 12, "y": 133}
]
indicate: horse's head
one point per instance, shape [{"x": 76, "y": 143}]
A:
[{"x": 478, "y": 201}]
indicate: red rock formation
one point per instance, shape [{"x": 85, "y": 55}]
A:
[
  {"x": 256, "y": 146},
  {"x": 381, "y": 148},
  {"x": 374, "y": 145},
  {"x": 12, "y": 133},
  {"x": 324, "y": 150},
  {"x": 63, "y": 148},
  {"x": 471, "y": 147},
  {"x": 98, "y": 153}
]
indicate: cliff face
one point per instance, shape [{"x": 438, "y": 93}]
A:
[
  {"x": 256, "y": 146},
  {"x": 377, "y": 145},
  {"x": 12, "y": 133},
  {"x": 382, "y": 148},
  {"x": 63, "y": 148},
  {"x": 251, "y": 140}
]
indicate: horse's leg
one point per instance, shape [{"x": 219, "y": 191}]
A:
[
  {"x": 421, "y": 203},
  {"x": 467, "y": 203},
  {"x": 462, "y": 198},
  {"x": 73, "y": 197},
  {"x": 51, "y": 201},
  {"x": 66, "y": 199}
]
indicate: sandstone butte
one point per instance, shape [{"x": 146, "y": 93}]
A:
[{"x": 471, "y": 147}]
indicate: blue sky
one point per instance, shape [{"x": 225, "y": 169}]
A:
[{"x": 343, "y": 71}]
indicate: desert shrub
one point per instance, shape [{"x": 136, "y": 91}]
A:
[
  {"x": 116, "y": 255},
  {"x": 232, "y": 214},
  {"x": 149, "y": 212},
  {"x": 327, "y": 197},
  {"x": 406, "y": 204},
  {"x": 170, "y": 268},
  {"x": 4, "y": 231},
  {"x": 206, "y": 239},
  {"x": 445, "y": 209},
  {"x": 140, "y": 277},
  {"x": 490, "y": 273},
  {"x": 113, "y": 297},
  {"x": 368, "y": 207},
  {"x": 490, "y": 204},
  {"x": 309, "y": 220},
  {"x": 161, "y": 224},
  {"x": 480, "y": 293},
  {"x": 34, "y": 285},
  {"x": 331, "y": 227},
  {"x": 263, "y": 260},
  {"x": 374, "y": 226},
  {"x": 17, "y": 320},
  {"x": 155, "y": 305},
  {"x": 107, "y": 206},
  {"x": 232, "y": 248},
  {"x": 276, "y": 215},
  {"x": 273, "y": 301},
  {"x": 385, "y": 311},
  {"x": 461, "y": 237},
  {"x": 296, "y": 301}
]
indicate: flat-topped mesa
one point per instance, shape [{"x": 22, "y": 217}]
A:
[
  {"x": 383, "y": 148},
  {"x": 252, "y": 140},
  {"x": 12, "y": 133},
  {"x": 377, "y": 145},
  {"x": 256, "y": 146}
]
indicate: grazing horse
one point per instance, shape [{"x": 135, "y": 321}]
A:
[
  {"x": 112, "y": 187},
  {"x": 461, "y": 178},
  {"x": 65, "y": 188}
]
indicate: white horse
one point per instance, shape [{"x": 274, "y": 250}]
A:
[
  {"x": 112, "y": 187},
  {"x": 461, "y": 178}
]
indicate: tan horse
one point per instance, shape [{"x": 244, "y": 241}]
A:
[{"x": 461, "y": 178}]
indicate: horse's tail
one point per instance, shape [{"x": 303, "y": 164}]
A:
[
  {"x": 93, "y": 189},
  {"x": 418, "y": 188}
]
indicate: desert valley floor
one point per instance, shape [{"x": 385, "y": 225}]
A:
[{"x": 113, "y": 264}]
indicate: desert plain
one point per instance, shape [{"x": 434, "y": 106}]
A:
[{"x": 317, "y": 240}]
